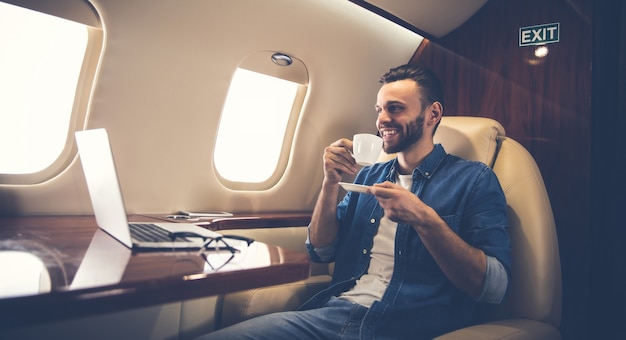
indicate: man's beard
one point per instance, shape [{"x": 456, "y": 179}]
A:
[{"x": 413, "y": 133}]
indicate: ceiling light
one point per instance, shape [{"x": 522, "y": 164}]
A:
[{"x": 281, "y": 59}]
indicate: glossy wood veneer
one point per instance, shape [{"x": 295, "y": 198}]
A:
[{"x": 62, "y": 242}]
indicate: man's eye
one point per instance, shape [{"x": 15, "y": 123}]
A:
[{"x": 394, "y": 108}]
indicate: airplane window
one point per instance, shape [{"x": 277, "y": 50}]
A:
[
  {"x": 41, "y": 58},
  {"x": 256, "y": 124}
]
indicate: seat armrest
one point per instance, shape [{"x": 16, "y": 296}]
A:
[
  {"x": 240, "y": 306},
  {"x": 509, "y": 329}
]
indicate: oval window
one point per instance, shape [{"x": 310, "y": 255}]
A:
[{"x": 258, "y": 120}]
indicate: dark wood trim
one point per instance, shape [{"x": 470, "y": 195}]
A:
[
  {"x": 262, "y": 221},
  {"x": 248, "y": 221}
]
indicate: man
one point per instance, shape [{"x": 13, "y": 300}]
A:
[{"x": 416, "y": 253}]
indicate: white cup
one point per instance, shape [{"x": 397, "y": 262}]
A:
[{"x": 366, "y": 148}]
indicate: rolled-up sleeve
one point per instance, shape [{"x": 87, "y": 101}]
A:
[
  {"x": 320, "y": 254},
  {"x": 496, "y": 282}
]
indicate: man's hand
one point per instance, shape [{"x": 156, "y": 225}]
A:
[
  {"x": 400, "y": 205},
  {"x": 338, "y": 161}
]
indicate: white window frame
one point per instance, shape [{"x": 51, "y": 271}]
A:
[{"x": 231, "y": 145}]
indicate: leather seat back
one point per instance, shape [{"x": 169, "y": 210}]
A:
[{"x": 535, "y": 290}]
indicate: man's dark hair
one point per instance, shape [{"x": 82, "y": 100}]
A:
[{"x": 429, "y": 84}]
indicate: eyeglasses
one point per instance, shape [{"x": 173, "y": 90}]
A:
[
  {"x": 213, "y": 249},
  {"x": 216, "y": 251}
]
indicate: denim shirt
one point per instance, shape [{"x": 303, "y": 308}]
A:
[{"x": 419, "y": 301}]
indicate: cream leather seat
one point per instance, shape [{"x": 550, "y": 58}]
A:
[{"x": 532, "y": 308}]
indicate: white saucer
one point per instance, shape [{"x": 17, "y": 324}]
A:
[{"x": 354, "y": 187}]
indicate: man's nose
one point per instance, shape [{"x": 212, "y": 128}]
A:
[{"x": 383, "y": 116}]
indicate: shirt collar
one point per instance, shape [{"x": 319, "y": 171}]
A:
[{"x": 426, "y": 168}]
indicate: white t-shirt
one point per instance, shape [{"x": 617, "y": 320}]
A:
[{"x": 372, "y": 285}]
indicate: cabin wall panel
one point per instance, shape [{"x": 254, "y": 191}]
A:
[
  {"x": 545, "y": 104},
  {"x": 163, "y": 80}
]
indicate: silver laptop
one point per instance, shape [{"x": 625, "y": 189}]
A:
[{"x": 108, "y": 205}]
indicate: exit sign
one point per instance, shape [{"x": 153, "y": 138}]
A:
[{"x": 539, "y": 34}]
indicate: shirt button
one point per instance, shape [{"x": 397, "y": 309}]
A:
[
  {"x": 373, "y": 220},
  {"x": 364, "y": 251},
  {"x": 427, "y": 173}
]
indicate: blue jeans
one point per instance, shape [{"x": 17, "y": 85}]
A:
[{"x": 337, "y": 319}]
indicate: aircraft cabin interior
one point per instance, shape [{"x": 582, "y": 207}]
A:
[{"x": 217, "y": 115}]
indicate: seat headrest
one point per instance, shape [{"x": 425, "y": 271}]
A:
[{"x": 471, "y": 138}]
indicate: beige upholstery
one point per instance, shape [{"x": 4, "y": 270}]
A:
[{"x": 532, "y": 309}]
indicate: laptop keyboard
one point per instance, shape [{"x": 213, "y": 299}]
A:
[{"x": 145, "y": 232}]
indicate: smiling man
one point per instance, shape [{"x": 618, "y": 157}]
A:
[{"x": 416, "y": 253}]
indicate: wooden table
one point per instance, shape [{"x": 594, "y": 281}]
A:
[{"x": 92, "y": 273}]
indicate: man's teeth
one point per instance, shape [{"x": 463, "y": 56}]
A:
[{"x": 389, "y": 132}]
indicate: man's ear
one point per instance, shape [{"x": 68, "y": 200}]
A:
[{"x": 434, "y": 112}]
